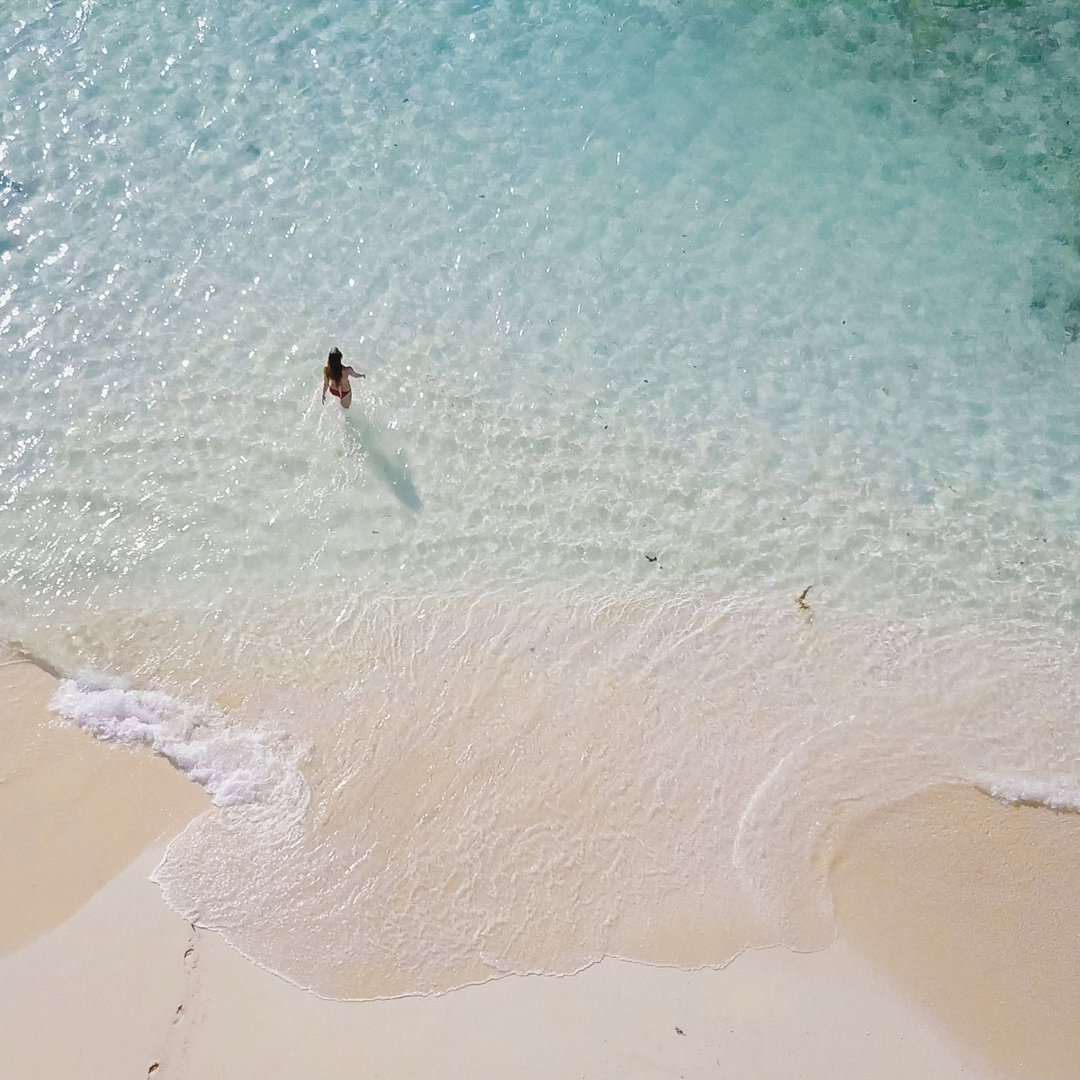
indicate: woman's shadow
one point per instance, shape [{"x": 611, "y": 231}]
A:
[{"x": 391, "y": 468}]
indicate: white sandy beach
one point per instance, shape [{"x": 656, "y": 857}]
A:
[{"x": 931, "y": 975}]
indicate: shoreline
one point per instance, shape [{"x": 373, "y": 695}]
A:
[
  {"x": 112, "y": 982},
  {"x": 74, "y": 811},
  {"x": 970, "y": 905},
  {"x": 146, "y": 994}
]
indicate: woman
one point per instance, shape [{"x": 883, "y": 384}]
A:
[{"x": 336, "y": 379}]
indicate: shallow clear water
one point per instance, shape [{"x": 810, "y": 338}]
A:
[{"x": 667, "y": 315}]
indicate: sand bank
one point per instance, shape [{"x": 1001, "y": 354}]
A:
[
  {"x": 972, "y": 906},
  {"x": 73, "y": 811},
  {"x": 124, "y": 987}
]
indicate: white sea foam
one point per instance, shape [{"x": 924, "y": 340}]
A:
[
  {"x": 236, "y": 766},
  {"x": 1060, "y": 793}
]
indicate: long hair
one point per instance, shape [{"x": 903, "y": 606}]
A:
[{"x": 333, "y": 366}]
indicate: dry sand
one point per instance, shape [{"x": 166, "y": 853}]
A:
[{"x": 126, "y": 988}]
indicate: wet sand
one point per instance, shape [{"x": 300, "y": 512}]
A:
[
  {"x": 74, "y": 811},
  {"x": 972, "y": 907},
  {"x": 953, "y": 959}
]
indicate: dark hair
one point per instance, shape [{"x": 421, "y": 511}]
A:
[{"x": 333, "y": 365}]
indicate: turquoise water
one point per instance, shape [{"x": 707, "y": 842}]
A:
[{"x": 668, "y": 315}]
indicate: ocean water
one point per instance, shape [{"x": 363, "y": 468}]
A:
[{"x": 713, "y": 480}]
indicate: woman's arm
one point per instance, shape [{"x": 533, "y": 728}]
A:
[
  {"x": 325, "y": 384},
  {"x": 356, "y": 374}
]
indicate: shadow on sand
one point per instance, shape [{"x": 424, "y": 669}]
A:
[{"x": 389, "y": 466}]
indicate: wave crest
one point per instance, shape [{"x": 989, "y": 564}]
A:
[
  {"x": 1062, "y": 794},
  {"x": 237, "y": 767}
]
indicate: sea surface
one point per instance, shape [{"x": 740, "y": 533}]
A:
[{"x": 714, "y": 479}]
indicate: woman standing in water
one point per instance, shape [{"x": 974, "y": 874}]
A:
[{"x": 336, "y": 378}]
